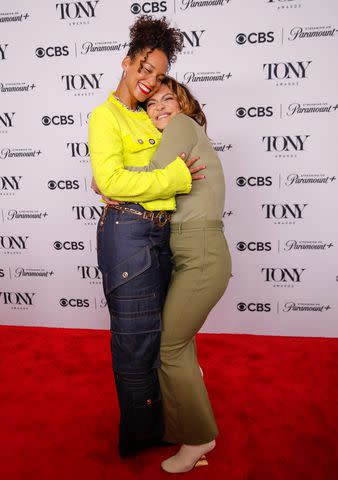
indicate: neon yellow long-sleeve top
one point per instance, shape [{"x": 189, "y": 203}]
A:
[{"x": 120, "y": 138}]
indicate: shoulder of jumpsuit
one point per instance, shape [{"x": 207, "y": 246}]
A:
[
  {"x": 139, "y": 136},
  {"x": 183, "y": 124}
]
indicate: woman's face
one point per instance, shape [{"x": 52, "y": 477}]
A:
[
  {"x": 143, "y": 78},
  {"x": 162, "y": 106}
]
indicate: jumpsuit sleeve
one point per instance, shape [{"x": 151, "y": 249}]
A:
[
  {"x": 179, "y": 136},
  {"x": 114, "y": 181}
]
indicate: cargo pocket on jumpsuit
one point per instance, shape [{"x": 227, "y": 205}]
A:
[{"x": 135, "y": 313}]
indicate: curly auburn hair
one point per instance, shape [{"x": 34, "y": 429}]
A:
[
  {"x": 187, "y": 102},
  {"x": 149, "y": 33}
]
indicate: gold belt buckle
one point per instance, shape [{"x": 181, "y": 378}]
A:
[{"x": 162, "y": 218}]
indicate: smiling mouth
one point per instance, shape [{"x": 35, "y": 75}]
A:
[
  {"x": 163, "y": 115},
  {"x": 144, "y": 89}
]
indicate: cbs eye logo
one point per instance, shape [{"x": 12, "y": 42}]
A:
[
  {"x": 253, "y": 112},
  {"x": 40, "y": 52},
  {"x": 254, "y": 181},
  {"x": 254, "y": 246},
  {"x": 241, "y": 38},
  {"x": 57, "y": 120},
  {"x": 63, "y": 184},
  {"x": 46, "y": 121},
  {"x": 52, "y": 51},
  {"x": 135, "y": 8},
  {"x": 69, "y": 245},
  {"x": 241, "y": 181},
  {"x": 74, "y": 302},
  {"x": 148, "y": 7},
  {"x": 255, "y": 37},
  {"x": 241, "y": 246},
  {"x": 240, "y": 112},
  {"x": 254, "y": 307},
  {"x": 241, "y": 307},
  {"x": 57, "y": 245}
]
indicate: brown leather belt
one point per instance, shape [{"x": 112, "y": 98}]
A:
[{"x": 160, "y": 218}]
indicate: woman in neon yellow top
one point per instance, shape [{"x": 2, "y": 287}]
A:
[
  {"x": 133, "y": 239},
  {"x": 120, "y": 138}
]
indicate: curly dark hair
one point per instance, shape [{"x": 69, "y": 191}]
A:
[{"x": 151, "y": 33}]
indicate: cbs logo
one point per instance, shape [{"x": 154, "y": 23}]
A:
[
  {"x": 255, "y": 37},
  {"x": 74, "y": 302},
  {"x": 254, "y": 307},
  {"x": 254, "y": 181},
  {"x": 63, "y": 184},
  {"x": 254, "y": 246},
  {"x": 252, "y": 112},
  {"x": 148, "y": 7},
  {"x": 69, "y": 245},
  {"x": 52, "y": 51},
  {"x": 57, "y": 120}
]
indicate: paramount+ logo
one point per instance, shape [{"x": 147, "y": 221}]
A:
[
  {"x": 254, "y": 181},
  {"x": 51, "y": 52},
  {"x": 254, "y": 112},
  {"x": 254, "y": 307},
  {"x": 255, "y": 38},
  {"x": 254, "y": 246},
  {"x": 74, "y": 302}
]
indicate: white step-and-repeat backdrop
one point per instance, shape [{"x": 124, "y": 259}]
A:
[{"x": 266, "y": 72}]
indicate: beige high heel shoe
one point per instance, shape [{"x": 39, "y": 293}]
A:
[{"x": 181, "y": 463}]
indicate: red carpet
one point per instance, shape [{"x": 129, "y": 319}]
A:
[{"x": 275, "y": 400}]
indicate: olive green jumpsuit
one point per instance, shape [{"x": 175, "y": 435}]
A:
[{"x": 201, "y": 272}]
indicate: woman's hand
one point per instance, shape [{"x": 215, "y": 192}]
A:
[
  {"x": 95, "y": 188},
  {"x": 193, "y": 169}
]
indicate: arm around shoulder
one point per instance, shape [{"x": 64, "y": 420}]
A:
[
  {"x": 179, "y": 136},
  {"x": 113, "y": 180}
]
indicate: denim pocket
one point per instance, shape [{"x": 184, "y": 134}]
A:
[
  {"x": 126, "y": 270},
  {"x": 146, "y": 397}
]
